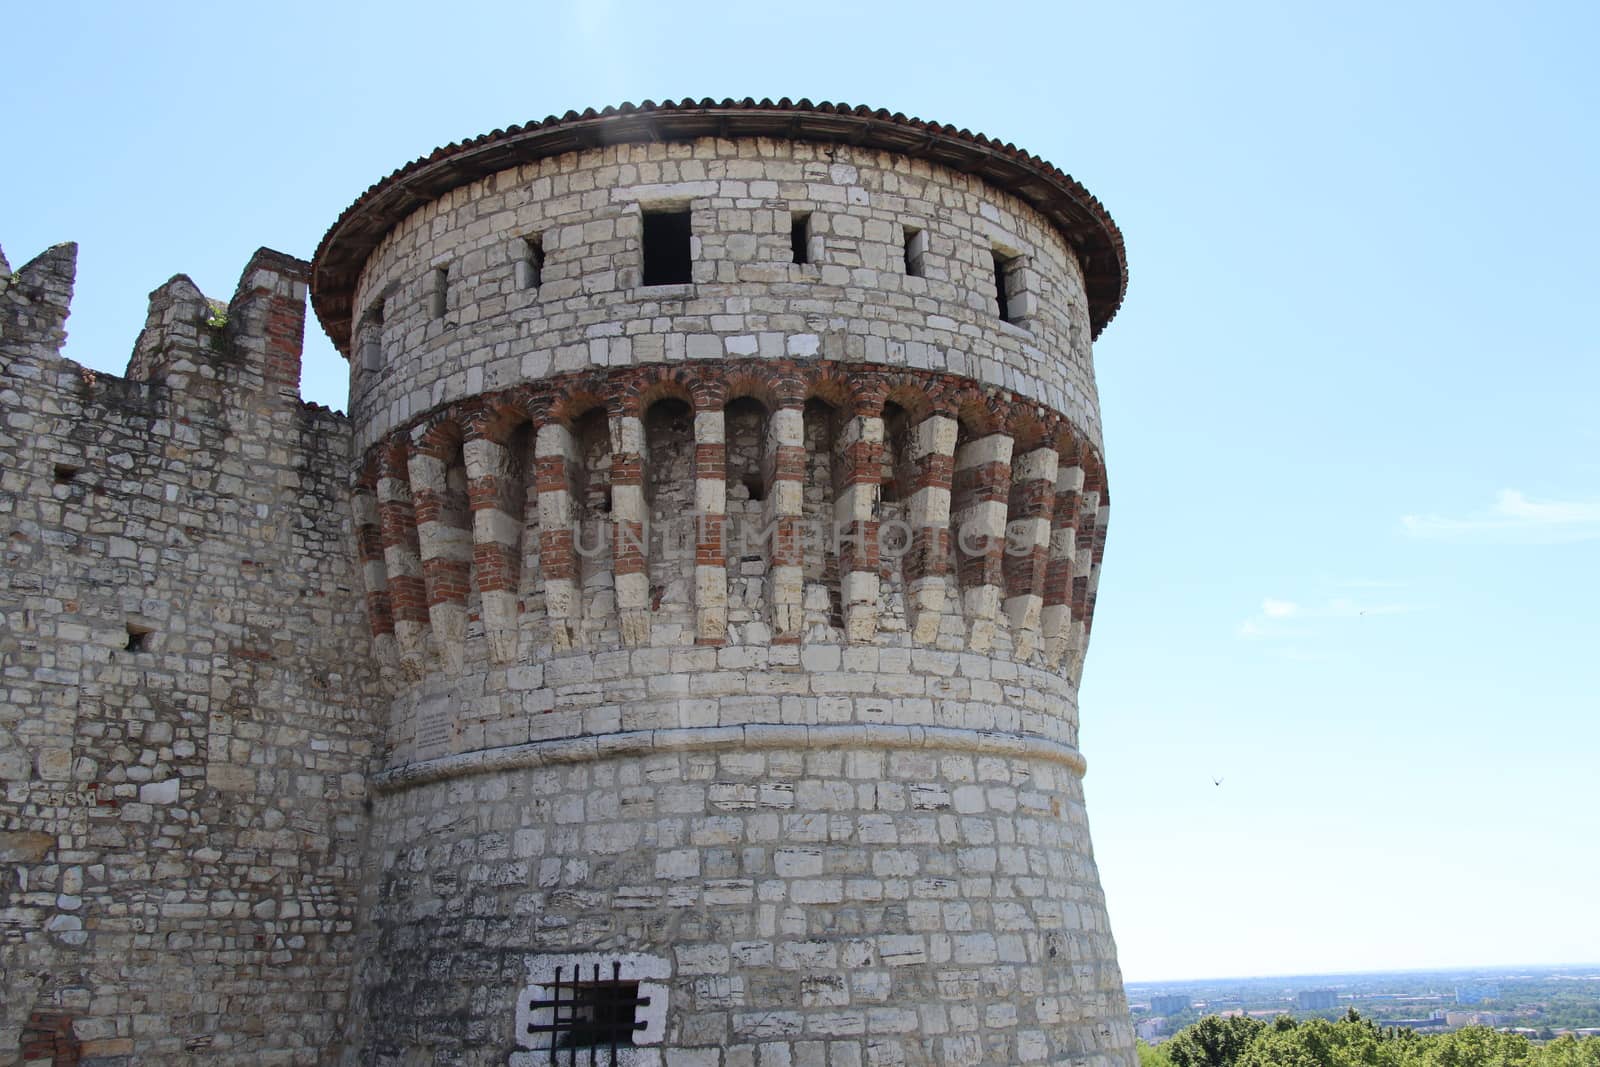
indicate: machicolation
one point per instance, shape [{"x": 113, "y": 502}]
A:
[{"x": 671, "y": 660}]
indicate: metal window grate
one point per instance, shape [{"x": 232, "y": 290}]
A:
[{"x": 597, "y": 1014}]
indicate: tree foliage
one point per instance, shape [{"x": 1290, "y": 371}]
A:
[
  {"x": 1157, "y": 1057},
  {"x": 1357, "y": 1042},
  {"x": 1214, "y": 1041}
]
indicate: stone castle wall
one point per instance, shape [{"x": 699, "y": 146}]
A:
[
  {"x": 727, "y": 631},
  {"x": 832, "y": 788},
  {"x": 185, "y": 686}
]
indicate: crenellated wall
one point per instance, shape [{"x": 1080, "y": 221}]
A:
[{"x": 186, "y": 692}]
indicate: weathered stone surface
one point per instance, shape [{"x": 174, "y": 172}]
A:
[
  {"x": 327, "y": 739},
  {"x": 24, "y": 846},
  {"x": 188, "y": 683}
]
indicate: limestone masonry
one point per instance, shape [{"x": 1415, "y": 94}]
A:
[{"x": 671, "y": 661}]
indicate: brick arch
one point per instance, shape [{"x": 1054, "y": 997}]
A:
[
  {"x": 911, "y": 396},
  {"x": 708, "y": 391},
  {"x": 1067, "y": 445},
  {"x": 577, "y": 398},
  {"x": 978, "y": 413},
  {"x": 1027, "y": 428},
  {"x": 850, "y": 393},
  {"x": 440, "y": 435},
  {"x": 644, "y": 387},
  {"x": 496, "y": 419},
  {"x": 772, "y": 389},
  {"x": 390, "y": 458}
]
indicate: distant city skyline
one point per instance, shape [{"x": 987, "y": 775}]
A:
[
  {"x": 1496, "y": 969},
  {"x": 1340, "y": 705}
]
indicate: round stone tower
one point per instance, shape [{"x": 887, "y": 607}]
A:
[{"x": 731, "y": 507}]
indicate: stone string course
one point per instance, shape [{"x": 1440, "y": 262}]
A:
[{"x": 319, "y": 736}]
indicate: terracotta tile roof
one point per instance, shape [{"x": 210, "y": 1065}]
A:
[{"x": 1072, "y": 208}]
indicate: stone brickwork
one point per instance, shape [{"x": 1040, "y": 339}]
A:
[
  {"x": 735, "y": 622},
  {"x": 853, "y": 302},
  {"x": 725, "y": 633},
  {"x": 185, "y": 686}
]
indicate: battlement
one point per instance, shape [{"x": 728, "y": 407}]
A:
[
  {"x": 192, "y": 347},
  {"x": 183, "y": 724}
]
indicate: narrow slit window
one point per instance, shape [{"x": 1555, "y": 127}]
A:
[
  {"x": 530, "y": 263},
  {"x": 372, "y": 338},
  {"x": 1002, "y": 282},
  {"x": 800, "y": 236},
  {"x": 667, "y": 259},
  {"x": 441, "y": 290},
  {"x": 916, "y": 247}
]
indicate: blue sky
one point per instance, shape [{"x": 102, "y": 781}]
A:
[{"x": 1349, "y": 403}]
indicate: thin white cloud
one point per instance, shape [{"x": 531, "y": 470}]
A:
[
  {"x": 1279, "y": 609},
  {"x": 1514, "y": 519},
  {"x": 1282, "y": 618},
  {"x": 1369, "y": 583},
  {"x": 1345, "y": 608}
]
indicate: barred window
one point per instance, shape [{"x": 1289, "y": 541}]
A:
[{"x": 593, "y": 1010}]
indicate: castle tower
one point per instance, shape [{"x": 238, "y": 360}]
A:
[{"x": 730, "y": 502}]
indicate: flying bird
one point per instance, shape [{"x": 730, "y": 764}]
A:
[{"x": 1216, "y": 781}]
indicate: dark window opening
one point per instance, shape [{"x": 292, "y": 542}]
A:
[
  {"x": 441, "y": 288},
  {"x": 666, "y": 248},
  {"x": 800, "y": 236},
  {"x": 590, "y": 1012},
  {"x": 897, "y": 474},
  {"x": 138, "y": 638},
  {"x": 65, "y": 473},
  {"x": 916, "y": 244},
  {"x": 530, "y": 267},
  {"x": 1002, "y": 279},
  {"x": 752, "y": 484}
]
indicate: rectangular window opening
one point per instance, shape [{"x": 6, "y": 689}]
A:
[
  {"x": 589, "y": 1011},
  {"x": 138, "y": 637},
  {"x": 441, "y": 289},
  {"x": 1002, "y": 281},
  {"x": 800, "y": 236},
  {"x": 667, "y": 259},
  {"x": 530, "y": 266},
  {"x": 916, "y": 246},
  {"x": 65, "y": 473}
]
